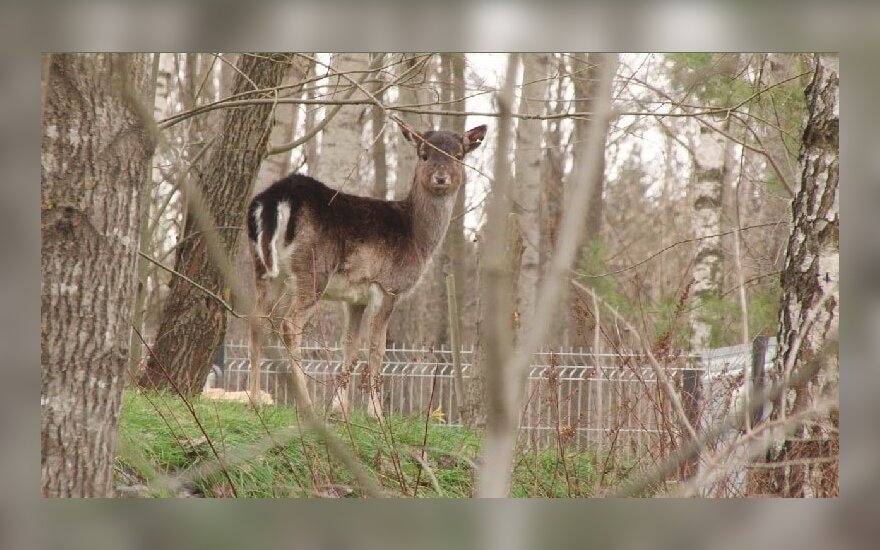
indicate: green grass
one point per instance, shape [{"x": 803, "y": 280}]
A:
[{"x": 158, "y": 436}]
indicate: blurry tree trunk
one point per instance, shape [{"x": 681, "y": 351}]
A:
[
  {"x": 528, "y": 167},
  {"x": 585, "y": 74},
  {"x": 341, "y": 140},
  {"x": 728, "y": 216},
  {"x": 456, "y": 246},
  {"x": 585, "y": 71},
  {"x": 410, "y": 322},
  {"x": 380, "y": 157},
  {"x": 192, "y": 323},
  {"x": 707, "y": 222},
  {"x": 552, "y": 193},
  {"x": 809, "y": 317},
  {"x": 488, "y": 398},
  {"x": 284, "y": 124},
  {"x": 411, "y": 91},
  {"x": 94, "y": 161},
  {"x": 310, "y": 148},
  {"x": 273, "y": 168},
  {"x": 145, "y": 239}
]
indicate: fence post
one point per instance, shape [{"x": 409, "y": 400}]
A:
[
  {"x": 759, "y": 355},
  {"x": 692, "y": 396},
  {"x": 455, "y": 331}
]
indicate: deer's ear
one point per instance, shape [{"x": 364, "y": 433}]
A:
[
  {"x": 473, "y": 138},
  {"x": 413, "y": 137}
]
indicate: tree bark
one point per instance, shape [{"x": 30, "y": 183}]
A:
[
  {"x": 528, "y": 167},
  {"x": 552, "y": 194},
  {"x": 94, "y": 160},
  {"x": 411, "y": 92},
  {"x": 341, "y": 143},
  {"x": 192, "y": 323},
  {"x": 402, "y": 327},
  {"x": 453, "y": 258},
  {"x": 585, "y": 75},
  {"x": 809, "y": 317},
  {"x": 378, "y": 126},
  {"x": 708, "y": 176},
  {"x": 273, "y": 168},
  {"x": 585, "y": 72}
]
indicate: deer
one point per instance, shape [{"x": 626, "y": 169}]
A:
[{"x": 318, "y": 243}]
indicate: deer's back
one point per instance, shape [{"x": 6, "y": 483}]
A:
[{"x": 352, "y": 240}]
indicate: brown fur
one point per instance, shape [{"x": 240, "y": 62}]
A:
[{"x": 359, "y": 250}]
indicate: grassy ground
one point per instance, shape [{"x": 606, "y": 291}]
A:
[{"x": 159, "y": 436}]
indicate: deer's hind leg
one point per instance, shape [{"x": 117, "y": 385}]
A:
[
  {"x": 302, "y": 308},
  {"x": 255, "y": 342}
]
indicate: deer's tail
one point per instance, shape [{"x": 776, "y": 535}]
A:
[{"x": 264, "y": 231}]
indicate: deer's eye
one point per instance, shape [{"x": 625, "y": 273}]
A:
[{"x": 424, "y": 155}]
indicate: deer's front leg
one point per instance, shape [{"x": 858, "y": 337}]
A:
[
  {"x": 378, "y": 333},
  {"x": 354, "y": 314}
]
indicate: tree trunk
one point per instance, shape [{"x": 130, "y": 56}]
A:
[
  {"x": 809, "y": 316},
  {"x": 585, "y": 70},
  {"x": 411, "y": 92},
  {"x": 273, "y": 168},
  {"x": 402, "y": 326},
  {"x": 528, "y": 166},
  {"x": 707, "y": 221},
  {"x": 193, "y": 323},
  {"x": 456, "y": 245},
  {"x": 585, "y": 75},
  {"x": 453, "y": 256},
  {"x": 341, "y": 143},
  {"x": 552, "y": 195},
  {"x": 380, "y": 157},
  {"x": 94, "y": 160}
]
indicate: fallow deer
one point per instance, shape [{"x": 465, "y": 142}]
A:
[{"x": 330, "y": 245}]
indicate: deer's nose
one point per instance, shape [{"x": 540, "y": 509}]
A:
[{"x": 440, "y": 179}]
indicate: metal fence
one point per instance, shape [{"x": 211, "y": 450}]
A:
[{"x": 610, "y": 402}]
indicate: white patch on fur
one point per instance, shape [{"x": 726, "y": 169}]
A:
[
  {"x": 258, "y": 222},
  {"x": 283, "y": 218}
]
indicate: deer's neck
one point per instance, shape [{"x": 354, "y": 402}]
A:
[{"x": 430, "y": 215}]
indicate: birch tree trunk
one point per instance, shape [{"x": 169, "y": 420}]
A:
[
  {"x": 809, "y": 316},
  {"x": 528, "y": 167},
  {"x": 94, "y": 161},
  {"x": 402, "y": 326},
  {"x": 455, "y": 245},
  {"x": 192, "y": 323},
  {"x": 585, "y": 71},
  {"x": 708, "y": 174},
  {"x": 379, "y": 133},
  {"x": 341, "y": 141},
  {"x": 411, "y": 92},
  {"x": 552, "y": 194},
  {"x": 585, "y": 75}
]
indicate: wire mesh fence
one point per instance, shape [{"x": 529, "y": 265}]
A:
[{"x": 610, "y": 402}]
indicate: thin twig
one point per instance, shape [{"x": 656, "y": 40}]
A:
[
  {"x": 213, "y": 295},
  {"x": 427, "y": 468},
  {"x": 659, "y": 371},
  {"x": 189, "y": 408},
  {"x": 671, "y": 246}
]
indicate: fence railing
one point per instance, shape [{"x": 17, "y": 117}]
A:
[{"x": 610, "y": 402}]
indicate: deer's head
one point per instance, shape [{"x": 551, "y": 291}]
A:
[{"x": 440, "y": 154}]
